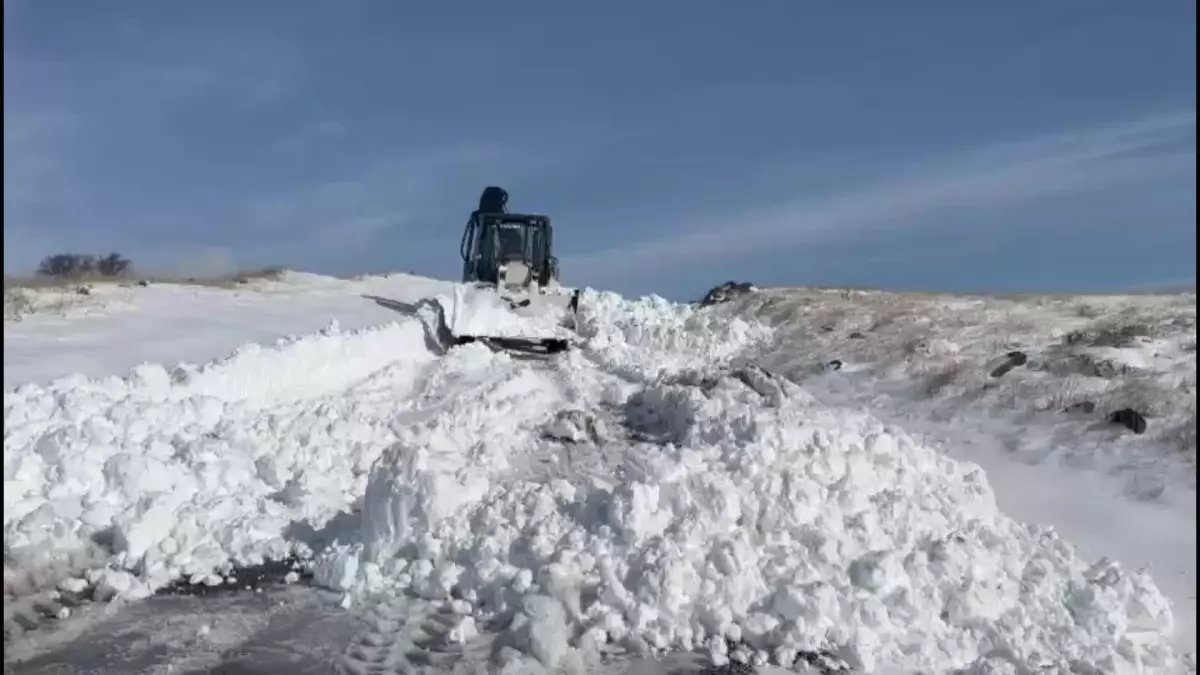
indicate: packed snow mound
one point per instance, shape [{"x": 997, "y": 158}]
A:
[{"x": 183, "y": 471}]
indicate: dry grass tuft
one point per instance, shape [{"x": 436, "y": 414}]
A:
[
  {"x": 1184, "y": 435},
  {"x": 221, "y": 281},
  {"x": 24, "y": 296},
  {"x": 17, "y": 304},
  {"x": 942, "y": 377}
]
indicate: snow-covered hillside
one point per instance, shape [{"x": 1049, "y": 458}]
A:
[{"x": 652, "y": 491}]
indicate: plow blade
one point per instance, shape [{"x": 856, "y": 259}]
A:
[
  {"x": 537, "y": 346},
  {"x": 532, "y": 325}
]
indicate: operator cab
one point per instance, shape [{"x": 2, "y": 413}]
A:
[{"x": 509, "y": 249}]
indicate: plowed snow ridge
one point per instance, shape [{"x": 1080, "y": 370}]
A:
[{"x": 641, "y": 490}]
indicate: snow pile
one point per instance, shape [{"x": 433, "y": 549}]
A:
[
  {"x": 721, "y": 506},
  {"x": 180, "y": 472},
  {"x": 652, "y": 336},
  {"x": 642, "y": 491},
  {"x": 449, "y": 462}
]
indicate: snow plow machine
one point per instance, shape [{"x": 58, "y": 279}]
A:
[{"x": 510, "y": 298}]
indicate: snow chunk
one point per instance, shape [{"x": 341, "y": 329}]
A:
[{"x": 765, "y": 519}]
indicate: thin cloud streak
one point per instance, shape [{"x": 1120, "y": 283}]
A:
[{"x": 995, "y": 174}]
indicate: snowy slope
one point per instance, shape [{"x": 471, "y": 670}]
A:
[
  {"x": 925, "y": 362},
  {"x": 117, "y": 328},
  {"x": 647, "y": 491}
]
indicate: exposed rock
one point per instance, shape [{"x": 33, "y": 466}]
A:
[
  {"x": 726, "y": 292},
  {"x": 249, "y": 578},
  {"x": 1011, "y": 360},
  {"x": 1130, "y": 418}
]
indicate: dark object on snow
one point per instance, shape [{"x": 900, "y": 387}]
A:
[
  {"x": 726, "y": 292},
  {"x": 143, "y": 283},
  {"x": 823, "y": 660},
  {"x": 731, "y": 668},
  {"x": 493, "y": 200},
  {"x": 83, "y": 290},
  {"x": 1012, "y": 360},
  {"x": 241, "y": 579},
  {"x": 857, "y": 336},
  {"x": 1081, "y": 407},
  {"x": 1132, "y": 419},
  {"x": 836, "y": 364}
]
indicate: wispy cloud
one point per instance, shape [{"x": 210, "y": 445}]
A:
[
  {"x": 386, "y": 188},
  {"x": 998, "y": 173}
]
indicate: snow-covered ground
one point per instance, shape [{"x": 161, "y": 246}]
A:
[
  {"x": 925, "y": 362},
  {"x": 648, "y": 492}
]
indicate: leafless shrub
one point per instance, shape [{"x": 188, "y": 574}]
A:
[
  {"x": 74, "y": 266},
  {"x": 1184, "y": 434},
  {"x": 943, "y": 377},
  {"x": 917, "y": 346},
  {"x": 1063, "y": 393},
  {"x": 1125, "y": 334},
  {"x": 1065, "y": 363},
  {"x": 1141, "y": 393},
  {"x": 17, "y": 304},
  {"x": 883, "y": 320}
]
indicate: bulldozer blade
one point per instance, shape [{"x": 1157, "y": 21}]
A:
[{"x": 539, "y": 346}]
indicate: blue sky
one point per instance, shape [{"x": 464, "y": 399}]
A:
[{"x": 950, "y": 145}]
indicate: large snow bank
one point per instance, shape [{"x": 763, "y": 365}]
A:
[
  {"x": 692, "y": 507},
  {"x": 181, "y": 471},
  {"x": 645, "y": 490}
]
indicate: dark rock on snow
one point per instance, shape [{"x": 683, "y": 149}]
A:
[
  {"x": 248, "y": 578},
  {"x": 1011, "y": 360},
  {"x": 1130, "y": 418},
  {"x": 726, "y": 292}
]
